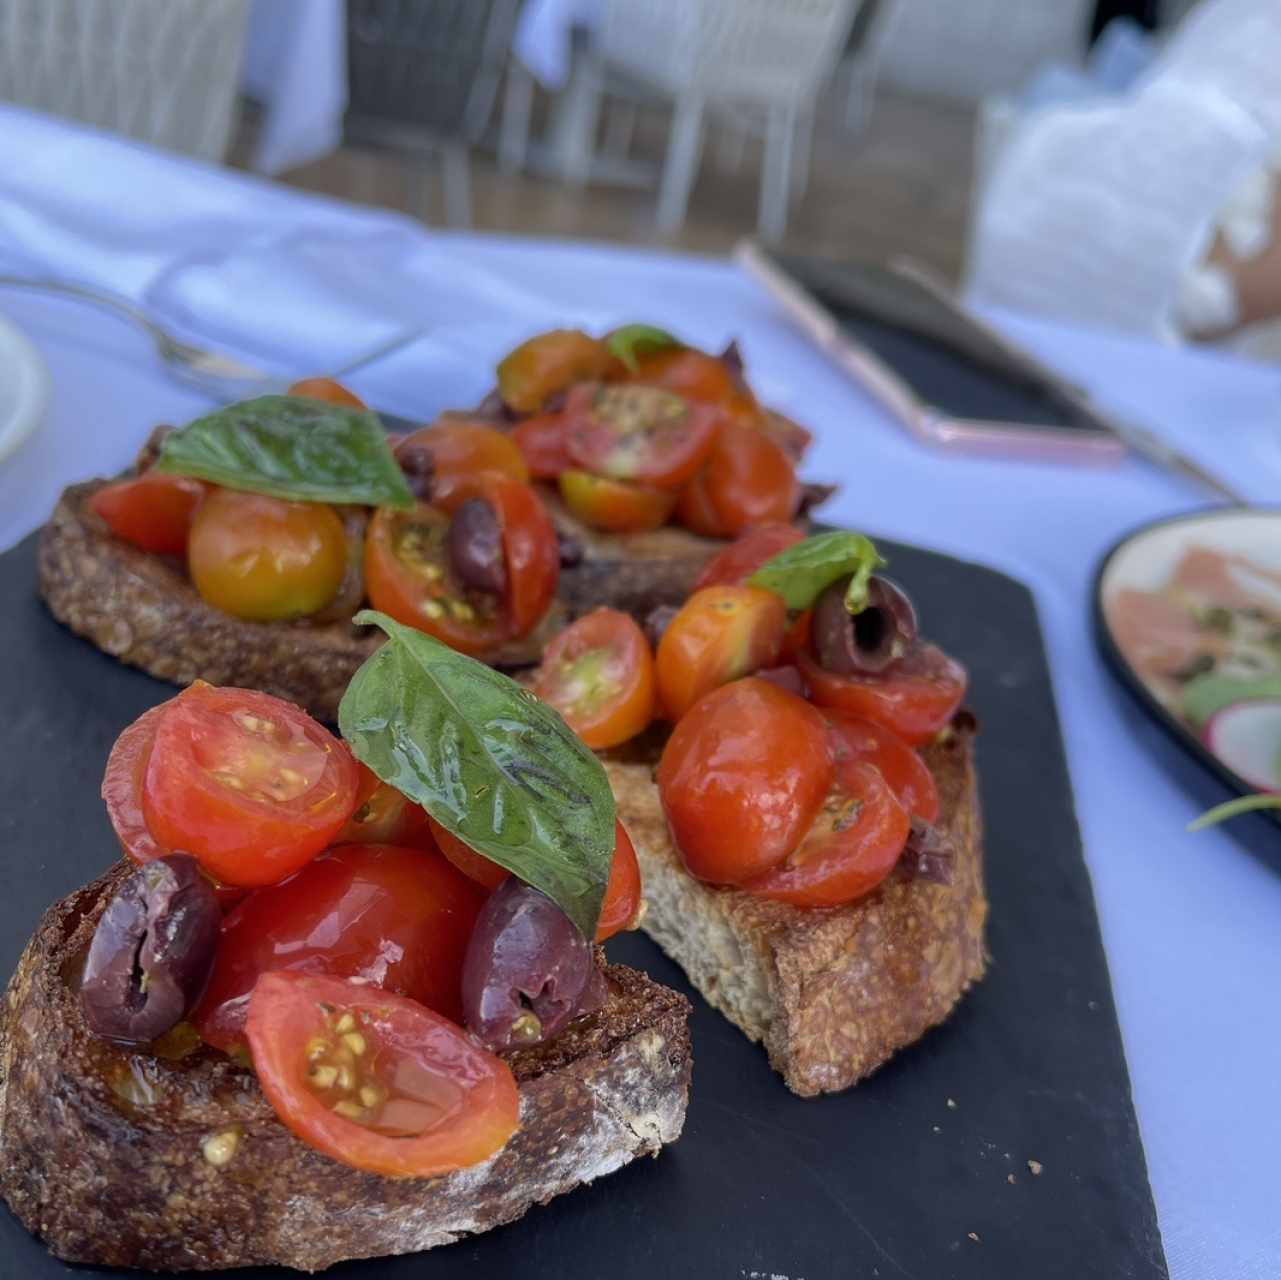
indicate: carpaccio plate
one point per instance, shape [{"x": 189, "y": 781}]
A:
[{"x": 1001, "y": 1145}]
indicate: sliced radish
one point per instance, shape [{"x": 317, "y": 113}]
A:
[{"x": 1246, "y": 736}]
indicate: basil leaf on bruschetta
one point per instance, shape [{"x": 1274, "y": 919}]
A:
[
  {"x": 490, "y": 762},
  {"x": 634, "y": 340},
  {"x": 801, "y": 573},
  {"x": 291, "y": 447}
]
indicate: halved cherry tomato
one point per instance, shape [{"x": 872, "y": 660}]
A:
[
  {"x": 748, "y": 553},
  {"x": 642, "y": 434},
  {"x": 720, "y": 634},
  {"x": 398, "y": 918},
  {"x": 265, "y": 559},
  {"x": 614, "y": 505},
  {"x": 852, "y": 845},
  {"x": 328, "y": 390},
  {"x": 249, "y": 784},
  {"x": 419, "y": 1099},
  {"x": 409, "y": 576},
  {"x": 384, "y": 815},
  {"x": 742, "y": 778},
  {"x": 908, "y": 775},
  {"x": 748, "y": 480},
  {"x": 460, "y": 447},
  {"x": 599, "y": 674},
  {"x": 544, "y": 444},
  {"x": 915, "y": 697},
  {"x": 549, "y": 363},
  {"x": 153, "y": 512},
  {"x": 618, "y": 911},
  {"x": 698, "y": 376}
]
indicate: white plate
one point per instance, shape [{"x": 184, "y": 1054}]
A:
[{"x": 24, "y": 388}]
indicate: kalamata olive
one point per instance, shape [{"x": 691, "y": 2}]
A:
[
  {"x": 929, "y": 853},
  {"x": 657, "y": 620},
  {"x": 528, "y": 971},
  {"x": 152, "y": 951},
  {"x": 786, "y": 677},
  {"x": 869, "y": 640},
  {"x": 732, "y": 358},
  {"x": 476, "y": 547},
  {"x": 571, "y": 551},
  {"x": 419, "y": 468}
]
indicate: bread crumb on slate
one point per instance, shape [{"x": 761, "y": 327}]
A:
[
  {"x": 1009, "y": 1177},
  {"x": 974, "y": 1235},
  {"x": 951, "y": 1104},
  {"x": 1035, "y": 1167},
  {"x": 937, "y": 1128}
]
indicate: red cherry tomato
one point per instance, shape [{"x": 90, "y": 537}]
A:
[
  {"x": 384, "y": 815},
  {"x": 644, "y": 435},
  {"x": 916, "y": 697},
  {"x": 153, "y": 512},
  {"x": 698, "y": 376},
  {"x": 397, "y": 918},
  {"x": 421, "y": 1098},
  {"x": 748, "y": 480},
  {"x": 548, "y": 363},
  {"x": 614, "y": 505},
  {"x": 618, "y": 911},
  {"x": 853, "y": 844},
  {"x": 747, "y": 553},
  {"x": 122, "y": 786},
  {"x": 908, "y": 775},
  {"x": 544, "y": 444},
  {"x": 328, "y": 390},
  {"x": 720, "y": 634},
  {"x": 742, "y": 778},
  {"x": 599, "y": 674},
  {"x": 409, "y": 576},
  {"x": 249, "y": 784},
  {"x": 460, "y": 447}
]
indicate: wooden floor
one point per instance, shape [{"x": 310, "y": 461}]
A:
[{"x": 900, "y": 186}]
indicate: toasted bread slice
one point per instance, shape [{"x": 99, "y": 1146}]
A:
[
  {"x": 832, "y": 992},
  {"x": 143, "y": 609},
  {"x": 107, "y": 1153}
]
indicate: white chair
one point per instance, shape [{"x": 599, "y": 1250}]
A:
[
  {"x": 164, "y": 71},
  {"x": 751, "y": 59}
]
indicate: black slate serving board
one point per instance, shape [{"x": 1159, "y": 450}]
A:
[{"x": 922, "y": 1171}]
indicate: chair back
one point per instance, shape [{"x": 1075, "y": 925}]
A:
[
  {"x": 164, "y": 71},
  {"x": 771, "y": 50}
]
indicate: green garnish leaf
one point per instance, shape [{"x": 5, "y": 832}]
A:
[
  {"x": 1204, "y": 695},
  {"x": 488, "y": 760},
  {"x": 633, "y": 340},
  {"x": 291, "y": 447},
  {"x": 801, "y": 573},
  {"x": 1233, "y": 808}
]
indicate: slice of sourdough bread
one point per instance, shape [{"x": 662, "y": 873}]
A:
[
  {"x": 122, "y": 1158},
  {"x": 831, "y": 992}
]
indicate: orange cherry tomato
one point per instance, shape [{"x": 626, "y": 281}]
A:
[
  {"x": 409, "y": 576},
  {"x": 742, "y": 778},
  {"x": 249, "y": 784},
  {"x": 720, "y": 634},
  {"x": 265, "y": 559},
  {"x": 698, "y": 376},
  {"x": 614, "y": 505},
  {"x": 599, "y": 674},
  {"x": 459, "y": 448},
  {"x": 544, "y": 444},
  {"x": 908, "y": 775},
  {"x": 916, "y": 697},
  {"x": 748, "y": 553},
  {"x": 642, "y": 434},
  {"x": 621, "y": 906},
  {"x": 853, "y": 844},
  {"x": 421, "y": 1100},
  {"x": 384, "y": 815},
  {"x": 399, "y": 919},
  {"x": 748, "y": 480},
  {"x": 153, "y": 512},
  {"x": 549, "y": 363},
  {"x": 328, "y": 390}
]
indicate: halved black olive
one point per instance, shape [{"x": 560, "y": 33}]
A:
[
  {"x": 869, "y": 640},
  {"x": 475, "y": 547}
]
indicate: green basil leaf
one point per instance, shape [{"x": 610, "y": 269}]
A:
[
  {"x": 1204, "y": 695},
  {"x": 633, "y": 340},
  {"x": 801, "y": 573},
  {"x": 291, "y": 447},
  {"x": 488, "y": 760}
]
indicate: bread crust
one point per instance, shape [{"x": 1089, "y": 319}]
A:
[
  {"x": 832, "y": 993},
  {"x": 102, "y": 1150}
]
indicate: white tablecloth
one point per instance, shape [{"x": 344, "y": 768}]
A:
[{"x": 1190, "y": 922}]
